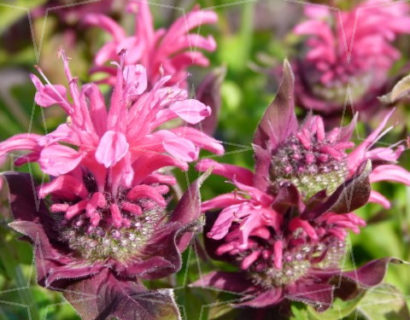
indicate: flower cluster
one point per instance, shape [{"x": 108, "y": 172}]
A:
[
  {"x": 109, "y": 182},
  {"x": 161, "y": 51},
  {"x": 349, "y": 47},
  {"x": 101, "y": 222},
  {"x": 286, "y": 225}
]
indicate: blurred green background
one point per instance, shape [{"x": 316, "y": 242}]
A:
[{"x": 253, "y": 38}]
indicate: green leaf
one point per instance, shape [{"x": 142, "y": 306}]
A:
[
  {"x": 339, "y": 309},
  {"x": 12, "y": 11},
  {"x": 300, "y": 312},
  {"x": 383, "y": 302},
  {"x": 400, "y": 90}
]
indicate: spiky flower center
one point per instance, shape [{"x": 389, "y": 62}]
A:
[
  {"x": 101, "y": 225},
  {"x": 296, "y": 263},
  {"x": 338, "y": 91},
  {"x": 107, "y": 241},
  {"x": 310, "y": 165}
]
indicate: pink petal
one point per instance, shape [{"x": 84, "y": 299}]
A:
[
  {"x": 67, "y": 187},
  {"x": 200, "y": 139},
  {"x": 105, "y": 23},
  {"x": 251, "y": 258},
  {"x": 135, "y": 79},
  {"x": 49, "y": 95},
  {"x": 116, "y": 215},
  {"x": 278, "y": 250},
  {"x": 191, "y": 110},
  {"x": 112, "y": 148},
  {"x": 144, "y": 191},
  {"x": 358, "y": 155},
  {"x": 106, "y": 53},
  {"x": 228, "y": 171},
  {"x": 56, "y": 160},
  {"x": 376, "y": 197},
  {"x": 222, "y": 201},
  {"x": 98, "y": 110},
  {"x": 224, "y": 221},
  {"x": 390, "y": 172},
  {"x": 25, "y": 141},
  {"x": 180, "y": 148}
]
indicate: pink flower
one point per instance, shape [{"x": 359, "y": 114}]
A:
[
  {"x": 350, "y": 47},
  {"x": 315, "y": 160},
  {"x": 161, "y": 52},
  {"x": 108, "y": 189},
  {"x": 71, "y": 13},
  {"x": 115, "y": 149},
  {"x": 285, "y": 225}
]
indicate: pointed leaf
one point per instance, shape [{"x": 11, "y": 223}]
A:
[
  {"x": 209, "y": 93},
  {"x": 400, "y": 90},
  {"x": 103, "y": 296},
  {"x": 384, "y": 302},
  {"x": 279, "y": 120},
  {"x": 349, "y": 196}
]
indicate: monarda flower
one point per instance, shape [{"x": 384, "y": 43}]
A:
[
  {"x": 285, "y": 225},
  {"x": 348, "y": 48},
  {"x": 161, "y": 52},
  {"x": 102, "y": 223}
]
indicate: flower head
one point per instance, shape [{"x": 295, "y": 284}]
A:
[
  {"x": 109, "y": 184},
  {"x": 285, "y": 228},
  {"x": 161, "y": 52},
  {"x": 349, "y": 47},
  {"x": 71, "y": 12}
]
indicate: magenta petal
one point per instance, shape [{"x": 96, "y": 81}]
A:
[
  {"x": 48, "y": 95},
  {"x": 231, "y": 172},
  {"x": 209, "y": 93},
  {"x": 188, "y": 211},
  {"x": 106, "y": 23},
  {"x": 23, "y": 198},
  {"x": 135, "y": 78},
  {"x": 103, "y": 296},
  {"x": 200, "y": 139},
  {"x": 390, "y": 172},
  {"x": 319, "y": 295},
  {"x": 112, "y": 148},
  {"x": 265, "y": 299},
  {"x": 191, "y": 110},
  {"x": 279, "y": 120},
  {"x": 150, "y": 268},
  {"x": 376, "y": 197},
  {"x": 57, "y": 159},
  {"x": 227, "y": 281},
  {"x": 162, "y": 246},
  {"x": 371, "y": 274},
  {"x": 180, "y": 148}
]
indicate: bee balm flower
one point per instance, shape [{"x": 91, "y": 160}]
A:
[
  {"x": 106, "y": 219},
  {"x": 349, "y": 47},
  {"x": 285, "y": 230},
  {"x": 161, "y": 52}
]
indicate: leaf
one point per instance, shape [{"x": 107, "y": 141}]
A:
[
  {"x": 105, "y": 297},
  {"x": 279, "y": 120},
  {"x": 9, "y": 13},
  {"x": 338, "y": 310},
  {"x": 300, "y": 312},
  {"x": 400, "y": 90},
  {"x": 209, "y": 93},
  {"x": 384, "y": 302},
  {"x": 349, "y": 196}
]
